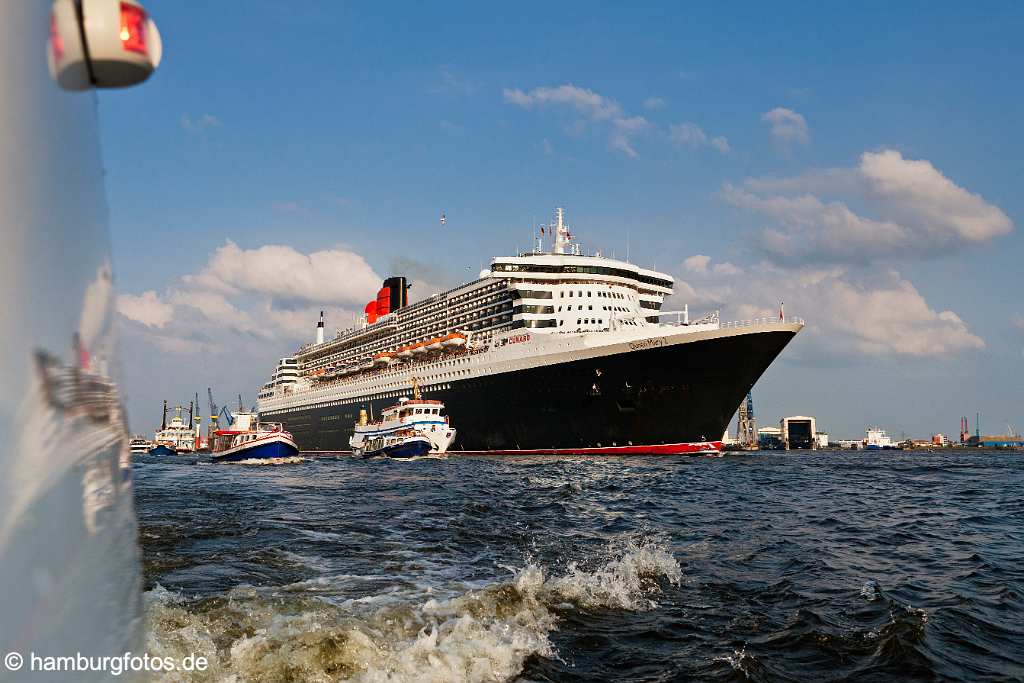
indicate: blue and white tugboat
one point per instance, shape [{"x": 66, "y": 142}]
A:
[
  {"x": 248, "y": 439},
  {"x": 408, "y": 429}
]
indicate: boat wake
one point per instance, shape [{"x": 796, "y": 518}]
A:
[
  {"x": 290, "y": 460},
  {"x": 484, "y": 634}
]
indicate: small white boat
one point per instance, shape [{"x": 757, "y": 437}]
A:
[{"x": 139, "y": 446}]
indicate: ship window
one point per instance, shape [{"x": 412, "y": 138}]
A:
[{"x": 589, "y": 293}]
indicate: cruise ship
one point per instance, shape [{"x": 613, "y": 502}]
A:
[{"x": 552, "y": 351}]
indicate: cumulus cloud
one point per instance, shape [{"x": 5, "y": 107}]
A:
[
  {"x": 919, "y": 212},
  {"x": 787, "y": 125},
  {"x": 654, "y": 103},
  {"x": 269, "y": 293},
  {"x": 334, "y": 276},
  {"x": 698, "y": 263},
  {"x": 916, "y": 190},
  {"x": 146, "y": 308},
  {"x": 587, "y": 102},
  {"x": 692, "y": 135},
  {"x": 591, "y": 106},
  {"x": 848, "y": 312}
]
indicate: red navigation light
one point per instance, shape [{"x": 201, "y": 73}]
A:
[
  {"x": 56, "y": 42},
  {"x": 133, "y": 28}
]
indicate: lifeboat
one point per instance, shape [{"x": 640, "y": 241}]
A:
[
  {"x": 419, "y": 349},
  {"x": 454, "y": 340},
  {"x": 368, "y": 365},
  {"x": 404, "y": 353},
  {"x": 434, "y": 345},
  {"x": 383, "y": 359}
]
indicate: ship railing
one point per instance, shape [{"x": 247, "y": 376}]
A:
[{"x": 762, "y": 321}]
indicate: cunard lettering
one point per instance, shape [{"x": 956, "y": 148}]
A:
[{"x": 514, "y": 339}]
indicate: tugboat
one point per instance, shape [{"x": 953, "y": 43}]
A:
[
  {"x": 249, "y": 439},
  {"x": 174, "y": 438},
  {"x": 407, "y": 429}
]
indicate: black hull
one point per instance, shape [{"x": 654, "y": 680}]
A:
[{"x": 673, "y": 394}]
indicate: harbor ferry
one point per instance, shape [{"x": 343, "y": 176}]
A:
[
  {"x": 250, "y": 439},
  {"x": 409, "y": 428},
  {"x": 552, "y": 351}
]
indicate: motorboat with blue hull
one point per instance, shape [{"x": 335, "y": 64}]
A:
[
  {"x": 398, "y": 447},
  {"x": 162, "y": 449},
  {"x": 248, "y": 439},
  {"x": 407, "y": 429}
]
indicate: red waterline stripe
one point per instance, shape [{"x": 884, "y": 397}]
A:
[{"x": 698, "y": 448}]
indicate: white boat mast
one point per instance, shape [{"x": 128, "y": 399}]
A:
[{"x": 563, "y": 239}]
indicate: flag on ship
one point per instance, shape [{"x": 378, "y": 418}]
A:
[{"x": 782, "y": 311}]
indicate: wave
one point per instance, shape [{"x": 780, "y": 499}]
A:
[
  {"x": 287, "y": 460},
  {"x": 484, "y": 634}
]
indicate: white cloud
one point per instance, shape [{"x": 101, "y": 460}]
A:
[
  {"x": 848, "y": 313},
  {"x": 270, "y": 293},
  {"x": 449, "y": 83},
  {"x": 146, "y": 308},
  {"x": 334, "y": 276},
  {"x": 917, "y": 191},
  {"x": 698, "y": 263},
  {"x": 654, "y": 103},
  {"x": 587, "y": 102},
  {"x": 1019, "y": 322},
  {"x": 594, "y": 108},
  {"x": 204, "y": 122},
  {"x": 787, "y": 125},
  {"x": 920, "y": 212},
  {"x": 692, "y": 135}
]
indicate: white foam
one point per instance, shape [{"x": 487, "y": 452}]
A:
[
  {"x": 483, "y": 634},
  {"x": 288, "y": 460}
]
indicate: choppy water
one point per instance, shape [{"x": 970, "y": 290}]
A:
[{"x": 825, "y": 566}]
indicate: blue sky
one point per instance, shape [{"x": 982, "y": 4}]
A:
[{"x": 861, "y": 163}]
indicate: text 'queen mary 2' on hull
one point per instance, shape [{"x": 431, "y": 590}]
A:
[{"x": 547, "y": 352}]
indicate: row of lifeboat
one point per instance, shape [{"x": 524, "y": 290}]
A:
[{"x": 451, "y": 342}]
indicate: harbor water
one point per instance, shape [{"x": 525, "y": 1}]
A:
[{"x": 798, "y": 566}]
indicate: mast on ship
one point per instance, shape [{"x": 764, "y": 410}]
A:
[
  {"x": 563, "y": 238},
  {"x": 320, "y": 329},
  {"x": 562, "y": 235}
]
